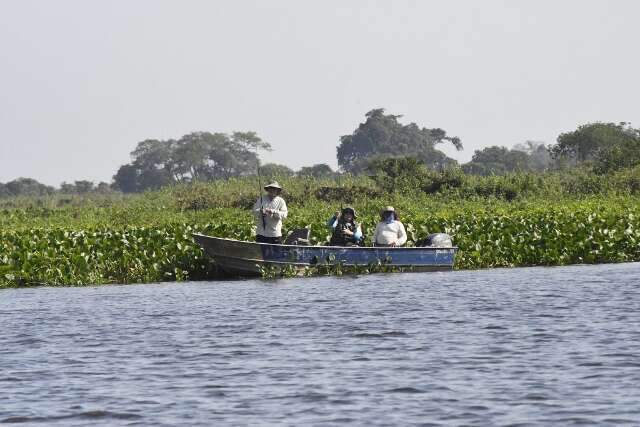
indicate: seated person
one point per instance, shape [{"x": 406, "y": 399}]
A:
[
  {"x": 390, "y": 231},
  {"x": 346, "y": 231}
]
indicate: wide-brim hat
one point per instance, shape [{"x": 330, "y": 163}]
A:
[
  {"x": 349, "y": 209},
  {"x": 274, "y": 184}
]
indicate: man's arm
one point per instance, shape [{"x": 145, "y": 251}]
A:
[
  {"x": 257, "y": 207},
  {"x": 402, "y": 235},
  {"x": 358, "y": 234},
  {"x": 281, "y": 212},
  {"x": 375, "y": 234}
]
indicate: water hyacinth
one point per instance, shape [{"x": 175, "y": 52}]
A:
[
  {"x": 593, "y": 231},
  {"x": 546, "y": 220},
  {"x": 64, "y": 257}
]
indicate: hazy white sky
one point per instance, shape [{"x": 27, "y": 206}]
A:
[{"x": 81, "y": 82}]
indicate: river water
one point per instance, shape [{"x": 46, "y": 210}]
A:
[{"x": 508, "y": 347}]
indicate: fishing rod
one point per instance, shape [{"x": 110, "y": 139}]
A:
[
  {"x": 340, "y": 192},
  {"x": 264, "y": 225}
]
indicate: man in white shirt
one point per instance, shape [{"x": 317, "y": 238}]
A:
[
  {"x": 269, "y": 211},
  {"x": 390, "y": 231}
]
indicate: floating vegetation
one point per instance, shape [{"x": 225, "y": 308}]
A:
[
  {"x": 147, "y": 237},
  {"x": 582, "y": 232},
  {"x": 133, "y": 255},
  {"x": 330, "y": 267}
]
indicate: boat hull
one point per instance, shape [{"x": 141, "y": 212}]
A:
[{"x": 249, "y": 258}]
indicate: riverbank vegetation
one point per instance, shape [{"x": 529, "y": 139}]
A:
[
  {"x": 497, "y": 221},
  {"x": 576, "y": 201}
]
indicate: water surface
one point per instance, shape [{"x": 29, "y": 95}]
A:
[{"x": 534, "y": 346}]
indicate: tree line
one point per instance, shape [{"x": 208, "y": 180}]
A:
[
  {"x": 32, "y": 188},
  {"x": 598, "y": 147},
  {"x": 203, "y": 156}
]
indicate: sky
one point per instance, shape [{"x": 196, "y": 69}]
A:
[{"x": 82, "y": 82}]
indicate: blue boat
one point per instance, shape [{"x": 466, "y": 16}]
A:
[{"x": 241, "y": 258}]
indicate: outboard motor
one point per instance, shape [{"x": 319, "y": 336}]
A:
[{"x": 439, "y": 240}]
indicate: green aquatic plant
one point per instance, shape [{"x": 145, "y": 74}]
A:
[{"x": 148, "y": 238}]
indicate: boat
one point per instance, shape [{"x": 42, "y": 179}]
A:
[{"x": 242, "y": 258}]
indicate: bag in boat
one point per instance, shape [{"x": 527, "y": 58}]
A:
[{"x": 438, "y": 240}]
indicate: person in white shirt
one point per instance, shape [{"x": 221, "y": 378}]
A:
[
  {"x": 390, "y": 231},
  {"x": 269, "y": 211}
]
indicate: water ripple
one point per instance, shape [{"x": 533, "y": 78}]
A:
[{"x": 507, "y": 347}]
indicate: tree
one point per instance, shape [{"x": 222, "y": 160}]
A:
[
  {"x": 152, "y": 179},
  {"x": 604, "y": 146},
  {"x": 273, "y": 170},
  {"x": 4, "y": 191},
  {"x": 625, "y": 154},
  {"x": 539, "y": 156},
  {"x": 392, "y": 174},
  {"x": 79, "y": 187},
  {"x": 190, "y": 158},
  {"x": 496, "y": 160},
  {"x": 205, "y": 156},
  {"x": 103, "y": 188},
  {"x": 154, "y": 154},
  {"x": 83, "y": 187},
  {"x": 381, "y": 135},
  {"x": 27, "y": 187},
  {"x": 66, "y": 188},
  {"x": 586, "y": 142},
  {"x": 126, "y": 179},
  {"x": 198, "y": 156},
  {"x": 250, "y": 141},
  {"x": 320, "y": 170}
]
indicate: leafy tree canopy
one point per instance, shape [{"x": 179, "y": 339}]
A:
[
  {"x": 4, "y": 191},
  {"x": 198, "y": 156},
  {"x": 84, "y": 187},
  {"x": 588, "y": 141},
  {"x": 497, "y": 161},
  {"x": 625, "y": 154},
  {"x": 274, "y": 170},
  {"x": 321, "y": 170},
  {"x": 381, "y": 135},
  {"x": 539, "y": 156},
  {"x": 25, "y": 187},
  {"x": 394, "y": 174},
  {"x": 126, "y": 179}
]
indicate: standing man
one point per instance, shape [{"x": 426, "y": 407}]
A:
[{"x": 269, "y": 211}]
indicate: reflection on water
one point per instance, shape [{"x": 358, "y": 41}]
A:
[{"x": 537, "y": 346}]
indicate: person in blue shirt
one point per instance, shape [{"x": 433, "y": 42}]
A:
[{"x": 346, "y": 231}]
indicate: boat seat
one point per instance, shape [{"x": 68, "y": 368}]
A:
[{"x": 298, "y": 236}]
